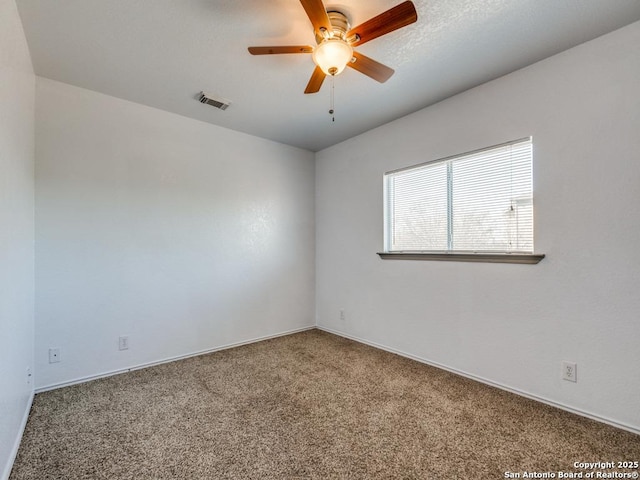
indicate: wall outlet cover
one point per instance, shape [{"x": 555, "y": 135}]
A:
[
  {"x": 570, "y": 371},
  {"x": 54, "y": 355}
]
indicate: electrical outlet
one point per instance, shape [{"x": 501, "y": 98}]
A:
[
  {"x": 570, "y": 371},
  {"x": 123, "y": 342},
  {"x": 54, "y": 355},
  {"x": 342, "y": 316}
]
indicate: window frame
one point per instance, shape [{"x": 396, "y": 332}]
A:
[{"x": 451, "y": 255}]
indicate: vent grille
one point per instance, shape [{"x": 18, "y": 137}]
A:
[{"x": 220, "y": 103}]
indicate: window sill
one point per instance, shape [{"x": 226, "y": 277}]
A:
[{"x": 522, "y": 258}]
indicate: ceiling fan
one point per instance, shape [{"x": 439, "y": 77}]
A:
[{"x": 335, "y": 41}]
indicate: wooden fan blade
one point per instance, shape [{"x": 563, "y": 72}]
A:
[
  {"x": 371, "y": 68},
  {"x": 280, "y": 49},
  {"x": 317, "y": 77},
  {"x": 393, "y": 19},
  {"x": 317, "y": 14}
]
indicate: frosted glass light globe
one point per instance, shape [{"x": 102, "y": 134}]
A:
[{"x": 332, "y": 55}]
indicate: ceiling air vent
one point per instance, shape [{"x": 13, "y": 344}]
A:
[{"x": 220, "y": 103}]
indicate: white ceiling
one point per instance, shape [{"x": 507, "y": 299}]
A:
[{"x": 162, "y": 53}]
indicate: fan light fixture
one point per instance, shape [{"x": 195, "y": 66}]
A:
[
  {"x": 335, "y": 40},
  {"x": 332, "y": 55}
]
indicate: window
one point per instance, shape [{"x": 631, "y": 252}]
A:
[{"x": 477, "y": 202}]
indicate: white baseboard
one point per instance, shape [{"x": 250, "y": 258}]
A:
[
  {"x": 521, "y": 393},
  {"x": 110, "y": 373},
  {"x": 492, "y": 383},
  {"x": 18, "y": 440}
]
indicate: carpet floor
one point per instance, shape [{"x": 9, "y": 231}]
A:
[{"x": 308, "y": 405}]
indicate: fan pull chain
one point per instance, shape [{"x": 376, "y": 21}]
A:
[{"x": 331, "y": 110}]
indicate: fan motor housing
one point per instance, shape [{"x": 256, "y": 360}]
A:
[{"x": 339, "y": 23}]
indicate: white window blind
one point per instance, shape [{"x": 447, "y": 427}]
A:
[{"x": 480, "y": 201}]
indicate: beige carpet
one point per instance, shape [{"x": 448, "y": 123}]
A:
[{"x": 309, "y": 405}]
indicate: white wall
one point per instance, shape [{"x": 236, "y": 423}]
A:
[
  {"x": 509, "y": 324},
  {"x": 183, "y": 235},
  {"x": 16, "y": 231}
]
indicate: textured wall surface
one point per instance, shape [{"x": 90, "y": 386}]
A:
[
  {"x": 17, "y": 84},
  {"x": 179, "y": 234},
  {"x": 509, "y": 324}
]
